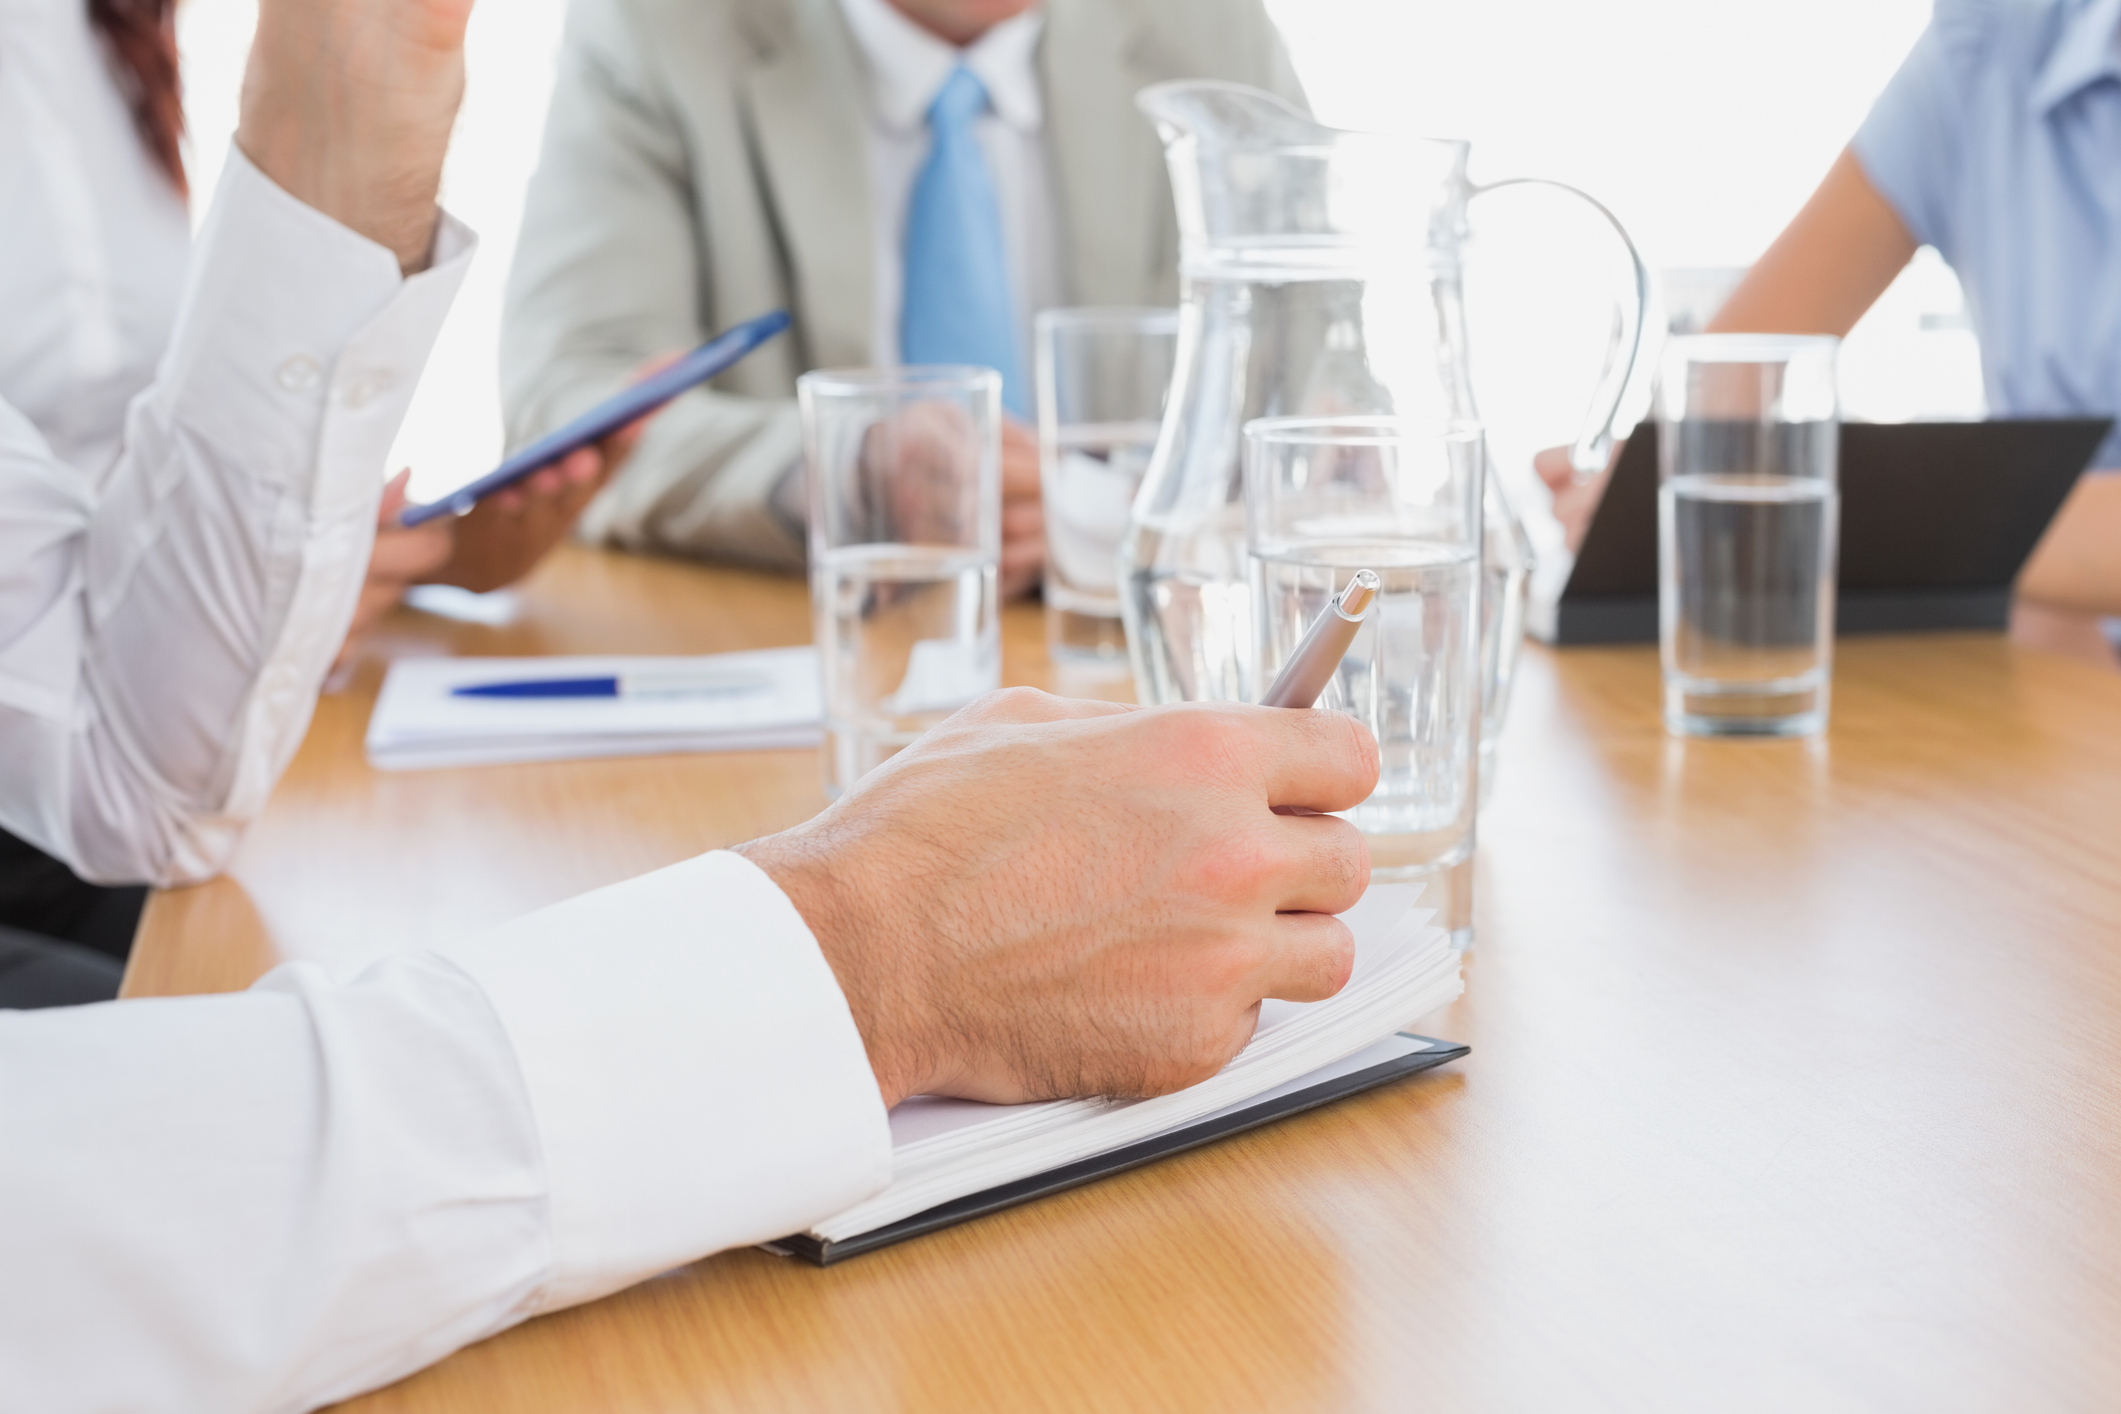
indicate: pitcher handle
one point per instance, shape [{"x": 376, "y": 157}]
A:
[{"x": 1593, "y": 446}]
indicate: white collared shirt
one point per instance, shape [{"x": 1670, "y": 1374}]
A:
[
  {"x": 269, "y": 1201},
  {"x": 188, "y": 481},
  {"x": 907, "y": 67},
  {"x": 94, "y": 243}
]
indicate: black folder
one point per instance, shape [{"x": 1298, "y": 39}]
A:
[
  {"x": 1233, "y": 1121},
  {"x": 1937, "y": 518}
]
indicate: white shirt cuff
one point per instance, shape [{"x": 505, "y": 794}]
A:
[
  {"x": 697, "y": 1078},
  {"x": 305, "y": 332},
  {"x": 290, "y": 370}
]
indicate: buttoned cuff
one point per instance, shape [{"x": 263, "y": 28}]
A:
[
  {"x": 298, "y": 331},
  {"x": 697, "y": 1078},
  {"x": 292, "y": 364}
]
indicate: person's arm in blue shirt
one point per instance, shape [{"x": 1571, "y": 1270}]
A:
[
  {"x": 1885, "y": 196},
  {"x": 1827, "y": 267},
  {"x": 1894, "y": 189},
  {"x": 1819, "y": 277}
]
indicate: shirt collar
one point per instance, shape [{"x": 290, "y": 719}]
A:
[
  {"x": 907, "y": 65},
  {"x": 2088, "y": 50}
]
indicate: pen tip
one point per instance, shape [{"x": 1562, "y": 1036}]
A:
[{"x": 1355, "y": 599}]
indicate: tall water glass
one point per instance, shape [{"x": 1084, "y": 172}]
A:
[
  {"x": 905, "y": 551},
  {"x": 1748, "y": 523},
  {"x": 1325, "y": 498},
  {"x": 1102, "y": 377}
]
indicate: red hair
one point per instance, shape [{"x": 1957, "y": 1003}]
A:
[{"x": 142, "y": 36}]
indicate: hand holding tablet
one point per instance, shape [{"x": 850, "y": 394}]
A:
[{"x": 709, "y": 360}]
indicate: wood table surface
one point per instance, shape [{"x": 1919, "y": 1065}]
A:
[{"x": 1795, "y": 1084}]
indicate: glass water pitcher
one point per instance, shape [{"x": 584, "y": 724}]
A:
[{"x": 1322, "y": 277}]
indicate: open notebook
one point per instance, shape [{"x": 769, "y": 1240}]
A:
[
  {"x": 419, "y": 722},
  {"x": 954, "y": 1159}
]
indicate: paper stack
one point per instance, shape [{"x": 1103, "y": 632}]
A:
[
  {"x": 947, "y": 1149},
  {"x": 418, "y": 721}
]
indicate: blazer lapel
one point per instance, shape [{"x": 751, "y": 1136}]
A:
[
  {"x": 1107, "y": 160},
  {"x": 803, "y": 101}
]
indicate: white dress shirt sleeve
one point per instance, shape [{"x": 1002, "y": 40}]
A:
[
  {"x": 163, "y": 635},
  {"x": 277, "y": 1199}
]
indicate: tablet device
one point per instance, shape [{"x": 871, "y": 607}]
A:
[
  {"x": 714, "y": 357},
  {"x": 1937, "y": 518}
]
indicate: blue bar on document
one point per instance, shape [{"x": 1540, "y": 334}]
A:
[
  {"x": 542, "y": 687},
  {"x": 650, "y": 684}
]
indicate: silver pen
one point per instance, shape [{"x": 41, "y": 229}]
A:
[{"x": 1312, "y": 665}]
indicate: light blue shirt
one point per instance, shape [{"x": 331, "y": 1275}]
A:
[{"x": 1999, "y": 143}]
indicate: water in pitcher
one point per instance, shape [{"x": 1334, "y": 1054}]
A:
[
  {"x": 1749, "y": 612},
  {"x": 913, "y": 633},
  {"x": 1188, "y": 607},
  {"x": 1413, "y": 675}
]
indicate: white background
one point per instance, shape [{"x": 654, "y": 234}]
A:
[{"x": 1702, "y": 123}]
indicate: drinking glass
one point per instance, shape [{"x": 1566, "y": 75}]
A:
[
  {"x": 905, "y": 551},
  {"x": 1748, "y": 516},
  {"x": 1102, "y": 377},
  {"x": 1325, "y": 497}
]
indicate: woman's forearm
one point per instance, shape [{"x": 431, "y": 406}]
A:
[
  {"x": 2077, "y": 564},
  {"x": 1827, "y": 267}
]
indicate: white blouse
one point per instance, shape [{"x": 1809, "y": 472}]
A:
[
  {"x": 276, "y": 1199},
  {"x": 94, "y": 241},
  {"x": 190, "y": 457}
]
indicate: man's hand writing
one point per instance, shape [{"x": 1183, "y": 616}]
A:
[{"x": 1045, "y": 897}]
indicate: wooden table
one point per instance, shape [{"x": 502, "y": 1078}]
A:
[{"x": 1796, "y": 1072}]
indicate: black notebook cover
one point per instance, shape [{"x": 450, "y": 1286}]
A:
[
  {"x": 1937, "y": 518},
  {"x": 1074, "y": 1175}
]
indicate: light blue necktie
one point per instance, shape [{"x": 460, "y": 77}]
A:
[{"x": 957, "y": 306}]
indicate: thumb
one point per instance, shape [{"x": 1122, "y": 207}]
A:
[
  {"x": 1554, "y": 468},
  {"x": 394, "y": 497}
]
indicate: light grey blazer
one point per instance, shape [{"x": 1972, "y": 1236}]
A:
[{"x": 705, "y": 161}]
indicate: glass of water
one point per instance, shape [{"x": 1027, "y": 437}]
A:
[
  {"x": 1748, "y": 512},
  {"x": 1325, "y": 498},
  {"x": 905, "y": 551},
  {"x": 1102, "y": 377}
]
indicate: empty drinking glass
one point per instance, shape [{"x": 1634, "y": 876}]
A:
[
  {"x": 1325, "y": 498},
  {"x": 1748, "y": 525},
  {"x": 1102, "y": 376},
  {"x": 905, "y": 551}
]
